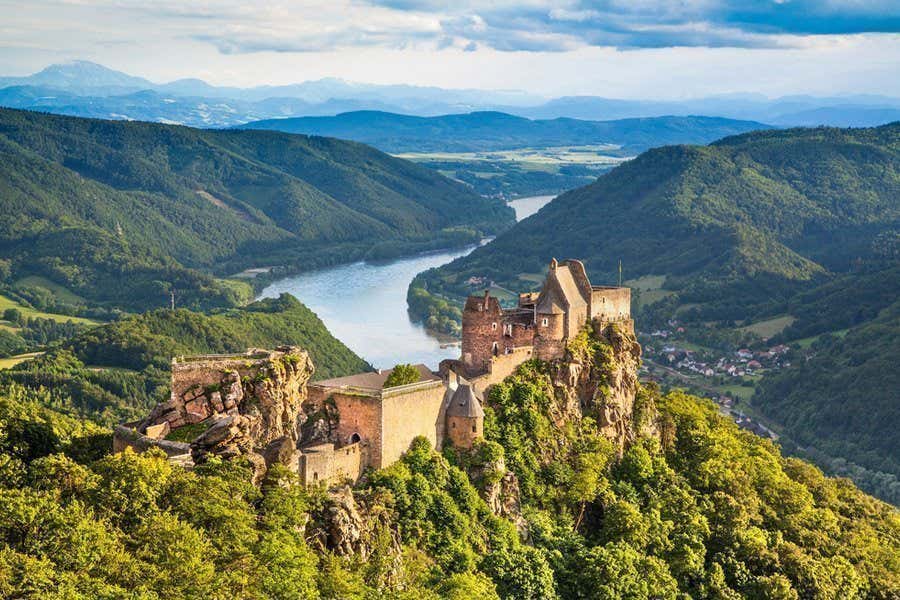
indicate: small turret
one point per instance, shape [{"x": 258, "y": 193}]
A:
[{"x": 465, "y": 417}]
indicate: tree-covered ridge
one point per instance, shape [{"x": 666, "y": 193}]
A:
[
  {"x": 118, "y": 371},
  {"x": 841, "y": 404},
  {"x": 752, "y": 216},
  {"x": 487, "y": 131},
  {"x": 91, "y": 203},
  {"x": 693, "y": 507}
]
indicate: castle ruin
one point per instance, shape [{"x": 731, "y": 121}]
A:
[{"x": 262, "y": 405}]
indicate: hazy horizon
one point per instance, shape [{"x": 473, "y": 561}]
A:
[{"x": 613, "y": 49}]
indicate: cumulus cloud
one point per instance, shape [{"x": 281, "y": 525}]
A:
[{"x": 302, "y": 26}]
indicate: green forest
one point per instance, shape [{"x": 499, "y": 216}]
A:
[
  {"x": 118, "y": 371},
  {"x": 120, "y": 214},
  {"x": 693, "y": 508},
  {"x": 799, "y": 222}
]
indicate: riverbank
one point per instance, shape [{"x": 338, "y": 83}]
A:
[{"x": 363, "y": 303}]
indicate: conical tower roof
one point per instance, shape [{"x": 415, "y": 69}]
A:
[{"x": 464, "y": 403}]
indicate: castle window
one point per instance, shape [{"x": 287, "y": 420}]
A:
[
  {"x": 544, "y": 322},
  {"x": 474, "y": 428},
  {"x": 315, "y": 476},
  {"x": 453, "y": 425},
  {"x": 355, "y": 438},
  {"x": 494, "y": 326}
]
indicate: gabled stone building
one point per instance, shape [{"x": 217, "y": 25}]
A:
[{"x": 541, "y": 325}]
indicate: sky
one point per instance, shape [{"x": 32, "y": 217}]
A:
[{"x": 614, "y": 48}]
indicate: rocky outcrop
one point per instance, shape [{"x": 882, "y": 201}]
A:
[
  {"x": 344, "y": 526},
  {"x": 599, "y": 378},
  {"x": 268, "y": 410}
]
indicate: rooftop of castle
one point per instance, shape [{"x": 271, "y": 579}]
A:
[{"x": 374, "y": 380}]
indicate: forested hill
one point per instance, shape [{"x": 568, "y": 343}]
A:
[
  {"x": 118, "y": 371},
  {"x": 486, "y": 131},
  {"x": 736, "y": 222},
  {"x": 120, "y": 212},
  {"x": 800, "y": 224}
]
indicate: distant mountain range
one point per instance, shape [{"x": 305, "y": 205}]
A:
[
  {"x": 487, "y": 131},
  {"x": 82, "y": 88}
]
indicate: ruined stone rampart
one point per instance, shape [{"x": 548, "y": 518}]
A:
[
  {"x": 326, "y": 464},
  {"x": 127, "y": 436}
]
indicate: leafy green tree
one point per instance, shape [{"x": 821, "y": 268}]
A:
[{"x": 402, "y": 374}]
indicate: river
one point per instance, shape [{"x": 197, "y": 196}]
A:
[{"x": 364, "y": 304}]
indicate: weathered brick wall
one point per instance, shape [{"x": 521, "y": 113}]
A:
[
  {"x": 611, "y": 303},
  {"x": 410, "y": 414},
  {"x": 481, "y": 328},
  {"x": 522, "y": 335},
  {"x": 359, "y": 414}
]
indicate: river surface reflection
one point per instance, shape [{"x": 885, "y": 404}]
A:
[{"x": 364, "y": 304}]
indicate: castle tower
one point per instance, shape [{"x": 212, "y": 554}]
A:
[
  {"x": 482, "y": 332},
  {"x": 465, "y": 417}
]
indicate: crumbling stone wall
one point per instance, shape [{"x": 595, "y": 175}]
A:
[
  {"x": 326, "y": 464},
  {"x": 359, "y": 414},
  {"x": 482, "y": 321}
]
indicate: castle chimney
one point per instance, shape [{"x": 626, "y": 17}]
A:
[
  {"x": 553, "y": 264},
  {"x": 487, "y": 295}
]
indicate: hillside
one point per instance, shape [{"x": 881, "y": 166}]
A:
[
  {"x": 487, "y": 131},
  {"x": 116, "y": 372},
  {"x": 747, "y": 220},
  {"x": 692, "y": 507},
  {"x": 797, "y": 226},
  {"x": 120, "y": 212},
  {"x": 841, "y": 405}
]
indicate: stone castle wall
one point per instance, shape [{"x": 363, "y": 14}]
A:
[
  {"x": 549, "y": 339},
  {"x": 408, "y": 412},
  {"x": 359, "y": 414},
  {"x": 325, "y": 463},
  {"x": 481, "y": 329},
  {"x": 610, "y": 304}
]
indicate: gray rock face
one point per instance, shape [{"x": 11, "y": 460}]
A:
[{"x": 344, "y": 526}]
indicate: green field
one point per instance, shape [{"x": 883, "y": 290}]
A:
[
  {"x": 536, "y": 158},
  {"x": 807, "y": 342},
  {"x": 768, "y": 328},
  {"x": 8, "y": 363},
  {"x": 63, "y": 293},
  {"x": 6, "y": 302}
]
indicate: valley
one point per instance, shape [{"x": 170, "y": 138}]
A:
[{"x": 364, "y": 304}]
